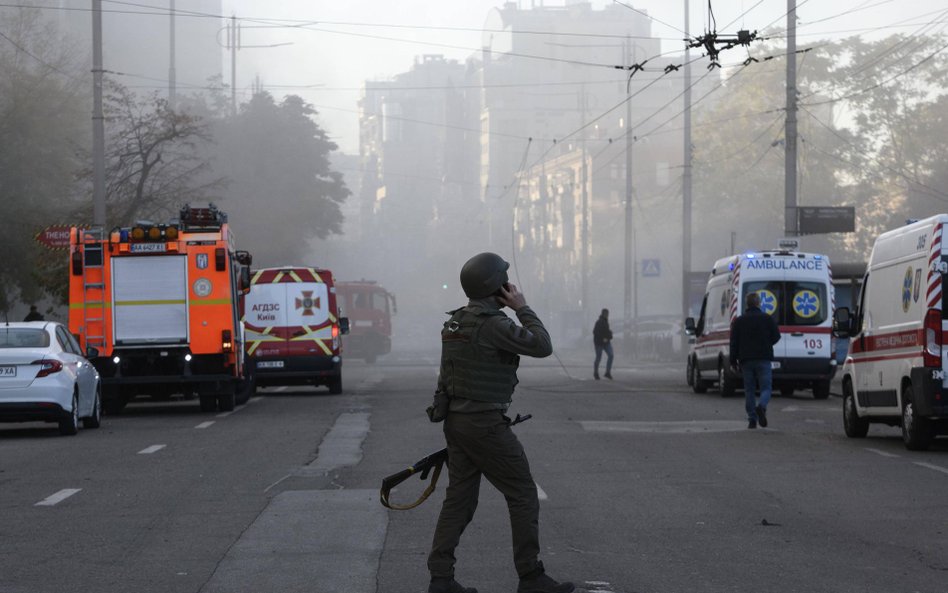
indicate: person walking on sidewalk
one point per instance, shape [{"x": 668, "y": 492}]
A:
[
  {"x": 480, "y": 353},
  {"x": 753, "y": 336},
  {"x": 602, "y": 341}
]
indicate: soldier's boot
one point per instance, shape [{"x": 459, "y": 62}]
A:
[
  {"x": 448, "y": 585},
  {"x": 538, "y": 582}
]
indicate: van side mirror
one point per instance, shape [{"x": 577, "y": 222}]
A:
[
  {"x": 243, "y": 281},
  {"x": 842, "y": 323},
  {"x": 344, "y": 325},
  {"x": 690, "y": 326},
  {"x": 243, "y": 258}
]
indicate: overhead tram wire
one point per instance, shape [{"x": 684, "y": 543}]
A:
[
  {"x": 647, "y": 15},
  {"x": 38, "y": 59}
]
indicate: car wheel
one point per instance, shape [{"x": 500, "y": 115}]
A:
[
  {"x": 69, "y": 425},
  {"x": 246, "y": 388},
  {"x": 821, "y": 389},
  {"x": 855, "y": 427},
  {"x": 689, "y": 377},
  {"x": 726, "y": 384},
  {"x": 698, "y": 385},
  {"x": 208, "y": 403},
  {"x": 227, "y": 401},
  {"x": 917, "y": 431},
  {"x": 335, "y": 386},
  {"x": 95, "y": 419}
]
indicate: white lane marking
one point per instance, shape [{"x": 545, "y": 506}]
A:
[
  {"x": 540, "y": 493},
  {"x": 598, "y": 587},
  {"x": 815, "y": 421},
  {"x": 57, "y": 498},
  {"x": 879, "y": 452},
  {"x": 280, "y": 388},
  {"x": 937, "y": 468},
  {"x": 152, "y": 449},
  {"x": 225, "y": 414},
  {"x": 204, "y": 424},
  {"x": 254, "y": 400},
  {"x": 672, "y": 427}
]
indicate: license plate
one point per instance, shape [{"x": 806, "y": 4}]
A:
[
  {"x": 148, "y": 248},
  {"x": 774, "y": 364},
  {"x": 7, "y": 371},
  {"x": 270, "y": 364}
]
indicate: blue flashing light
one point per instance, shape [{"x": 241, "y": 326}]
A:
[
  {"x": 730, "y": 266},
  {"x": 749, "y": 255},
  {"x": 817, "y": 257},
  {"x": 123, "y": 235}
]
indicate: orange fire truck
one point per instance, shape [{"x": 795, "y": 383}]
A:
[{"x": 157, "y": 309}]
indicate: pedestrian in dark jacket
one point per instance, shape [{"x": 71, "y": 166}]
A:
[
  {"x": 753, "y": 336},
  {"x": 34, "y": 315},
  {"x": 602, "y": 341}
]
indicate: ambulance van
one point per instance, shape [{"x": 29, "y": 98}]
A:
[
  {"x": 292, "y": 328},
  {"x": 895, "y": 371},
  {"x": 796, "y": 289}
]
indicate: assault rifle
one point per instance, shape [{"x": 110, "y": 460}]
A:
[{"x": 423, "y": 466}]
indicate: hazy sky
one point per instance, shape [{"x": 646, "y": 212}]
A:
[{"x": 338, "y": 45}]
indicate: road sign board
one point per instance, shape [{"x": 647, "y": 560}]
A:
[
  {"x": 55, "y": 236},
  {"x": 651, "y": 268},
  {"x": 826, "y": 219}
]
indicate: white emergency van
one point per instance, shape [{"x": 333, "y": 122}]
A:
[
  {"x": 894, "y": 373},
  {"x": 797, "y": 290}
]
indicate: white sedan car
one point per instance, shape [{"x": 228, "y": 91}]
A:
[{"x": 45, "y": 377}]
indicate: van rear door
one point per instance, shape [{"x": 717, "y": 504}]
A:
[
  {"x": 265, "y": 319},
  {"x": 773, "y": 302},
  {"x": 308, "y": 320},
  {"x": 806, "y": 324}
]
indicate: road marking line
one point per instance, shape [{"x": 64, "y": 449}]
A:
[
  {"x": 254, "y": 400},
  {"x": 57, "y": 498},
  {"x": 281, "y": 388},
  {"x": 204, "y": 424},
  {"x": 225, "y": 414},
  {"x": 883, "y": 453},
  {"x": 937, "y": 468},
  {"x": 152, "y": 449},
  {"x": 541, "y": 495}
]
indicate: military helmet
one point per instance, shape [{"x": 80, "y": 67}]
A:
[{"x": 483, "y": 275}]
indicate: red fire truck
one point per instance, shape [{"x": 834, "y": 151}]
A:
[
  {"x": 369, "y": 308},
  {"x": 157, "y": 309}
]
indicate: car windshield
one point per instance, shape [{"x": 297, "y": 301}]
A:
[
  {"x": 792, "y": 302},
  {"x": 21, "y": 337}
]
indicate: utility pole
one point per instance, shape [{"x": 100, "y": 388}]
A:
[
  {"x": 790, "y": 162},
  {"x": 98, "y": 125},
  {"x": 233, "y": 42},
  {"x": 686, "y": 196},
  {"x": 585, "y": 235},
  {"x": 629, "y": 263},
  {"x": 172, "y": 90}
]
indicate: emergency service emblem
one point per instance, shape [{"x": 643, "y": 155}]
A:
[
  {"x": 307, "y": 303},
  {"x": 201, "y": 260},
  {"x": 768, "y": 302},
  {"x": 907, "y": 290},
  {"x": 806, "y": 304}
]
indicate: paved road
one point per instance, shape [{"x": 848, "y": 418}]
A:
[{"x": 645, "y": 487}]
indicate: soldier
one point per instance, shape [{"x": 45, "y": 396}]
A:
[{"x": 479, "y": 358}]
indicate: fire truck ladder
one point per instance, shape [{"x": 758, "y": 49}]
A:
[{"x": 93, "y": 286}]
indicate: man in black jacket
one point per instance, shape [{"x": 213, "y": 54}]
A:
[
  {"x": 753, "y": 336},
  {"x": 602, "y": 340}
]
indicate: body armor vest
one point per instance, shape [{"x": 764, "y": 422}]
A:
[{"x": 470, "y": 371}]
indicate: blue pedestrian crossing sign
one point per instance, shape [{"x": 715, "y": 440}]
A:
[{"x": 651, "y": 268}]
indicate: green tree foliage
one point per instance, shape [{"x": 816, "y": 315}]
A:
[
  {"x": 156, "y": 158},
  {"x": 42, "y": 109},
  {"x": 281, "y": 188},
  {"x": 872, "y": 122}
]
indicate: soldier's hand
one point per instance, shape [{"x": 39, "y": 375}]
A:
[{"x": 511, "y": 297}]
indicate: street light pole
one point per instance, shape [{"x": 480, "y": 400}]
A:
[
  {"x": 172, "y": 83},
  {"x": 98, "y": 125},
  {"x": 629, "y": 263}
]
